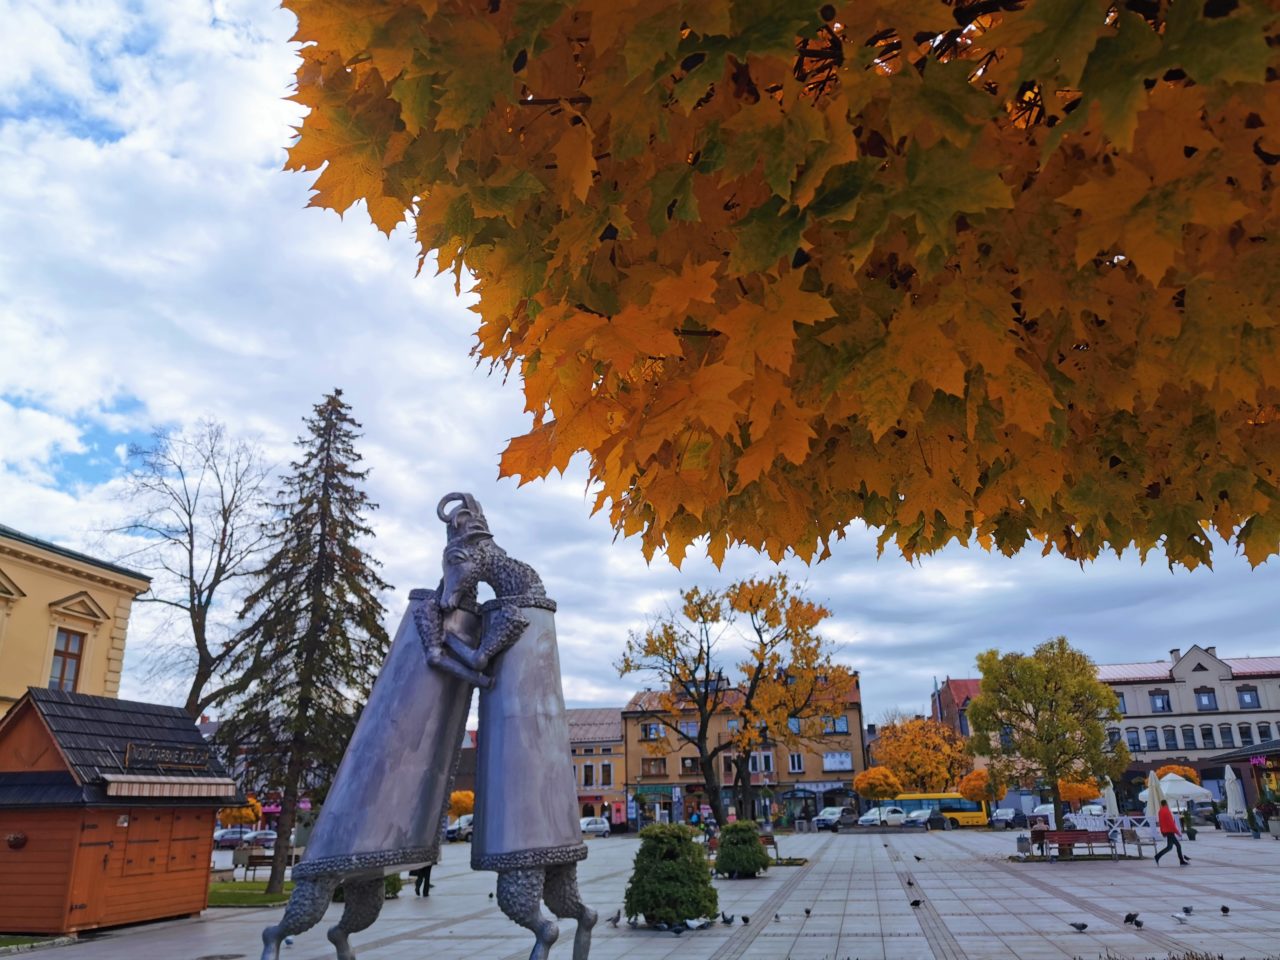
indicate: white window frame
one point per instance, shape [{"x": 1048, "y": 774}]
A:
[{"x": 795, "y": 763}]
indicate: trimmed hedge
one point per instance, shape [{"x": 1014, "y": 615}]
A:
[
  {"x": 740, "y": 853},
  {"x": 671, "y": 880}
]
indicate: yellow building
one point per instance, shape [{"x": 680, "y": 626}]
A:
[
  {"x": 599, "y": 764},
  {"x": 665, "y": 780},
  {"x": 63, "y": 618}
]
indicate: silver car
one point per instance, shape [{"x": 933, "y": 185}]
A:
[{"x": 595, "y": 826}]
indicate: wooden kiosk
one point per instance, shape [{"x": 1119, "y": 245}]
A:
[{"x": 106, "y": 813}]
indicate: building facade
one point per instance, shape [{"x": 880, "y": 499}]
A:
[
  {"x": 599, "y": 763},
  {"x": 64, "y": 617},
  {"x": 665, "y": 780}
]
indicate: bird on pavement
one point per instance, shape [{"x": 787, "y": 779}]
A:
[
  {"x": 776, "y": 918},
  {"x": 704, "y": 925},
  {"x": 491, "y": 896},
  {"x": 807, "y": 911},
  {"x": 916, "y": 903},
  {"x": 727, "y": 920},
  {"x": 613, "y": 921},
  {"x": 680, "y": 928},
  {"x": 1225, "y": 909},
  {"x": 1080, "y": 927},
  {"x": 1187, "y": 910},
  {"x": 1181, "y": 918},
  {"x": 1130, "y": 917},
  {"x": 632, "y": 922},
  {"x": 1138, "y": 924},
  {"x": 288, "y": 941},
  {"x": 664, "y": 927},
  {"x": 910, "y": 882},
  {"x": 918, "y": 858},
  {"x": 745, "y": 919}
]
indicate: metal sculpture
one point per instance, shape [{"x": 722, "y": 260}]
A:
[{"x": 386, "y": 810}]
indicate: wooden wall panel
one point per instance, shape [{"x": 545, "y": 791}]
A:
[
  {"x": 26, "y": 745},
  {"x": 35, "y": 880}
]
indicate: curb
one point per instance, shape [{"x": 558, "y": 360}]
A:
[{"x": 40, "y": 945}]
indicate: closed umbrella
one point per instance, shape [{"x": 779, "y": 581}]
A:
[
  {"x": 1109, "y": 799},
  {"x": 1235, "y": 795},
  {"x": 1153, "y": 797}
]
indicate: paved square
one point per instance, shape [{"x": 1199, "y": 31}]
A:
[{"x": 858, "y": 888}]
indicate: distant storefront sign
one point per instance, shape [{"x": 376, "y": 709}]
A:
[
  {"x": 654, "y": 790},
  {"x": 155, "y": 756}
]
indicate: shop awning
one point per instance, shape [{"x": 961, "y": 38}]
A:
[{"x": 143, "y": 785}]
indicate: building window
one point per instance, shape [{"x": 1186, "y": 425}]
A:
[
  {"x": 653, "y": 767},
  {"x": 1264, "y": 731},
  {"x": 838, "y": 724},
  {"x": 67, "y": 649},
  {"x": 728, "y": 765},
  {"x": 588, "y": 751},
  {"x": 1152, "y": 738},
  {"x": 606, "y": 774},
  {"x": 606, "y": 749},
  {"x": 651, "y": 731},
  {"x": 688, "y": 765},
  {"x": 1228, "y": 738},
  {"x": 688, "y": 728},
  {"x": 1206, "y": 737},
  {"x": 1248, "y": 698},
  {"x": 1246, "y": 735},
  {"x": 1206, "y": 699},
  {"x": 795, "y": 763},
  {"x": 732, "y": 724},
  {"x": 837, "y": 760},
  {"x": 1113, "y": 736},
  {"x": 1160, "y": 702},
  {"x": 1120, "y": 698},
  {"x": 793, "y": 724},
  {"x": 964, "y": 723},
  {"x": 1170, "y": 738},
  {"x": 1189, "y": 738},
  {"x": 761, "y": 762},
  {"x": 588, "y": 775},
  {"x": 1131, "y": 738}
]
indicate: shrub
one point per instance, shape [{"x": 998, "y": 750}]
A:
[
  {"x": 391, "y": 887},
  {"x": 671, "y": 880},
  {"x": 740, "y": 853}
]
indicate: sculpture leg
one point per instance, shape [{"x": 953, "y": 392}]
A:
[
  {"x": 363, "y": 904},
  {"x": 307, "y": 904},
  {"x": 565, "y": 901},
  {"x": 520, "y": 898}
]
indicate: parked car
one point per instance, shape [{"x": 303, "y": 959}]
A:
[
  {"x": 829, "y": 817},
  {"x": 595, "y": 826},
  {"x": 259, "y": 838},
  {"x": 228, "y": 838},
  {"x": 886, "y": 816},
  {"x": 1007, "y": 818},
  {"x": 460, "y": 829},
  {"x": 927, "y": 818}
]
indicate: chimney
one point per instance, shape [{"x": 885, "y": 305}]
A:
[
  {"x": 1211, "y": 651},
  {"x": 204, "y": 718},
  {"x": 1175, "y": 654}
]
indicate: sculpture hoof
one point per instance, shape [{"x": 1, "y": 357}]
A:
[
  {"x": 271, "y": 944},
  {"x": 338, "y": 937},
  {"x": 548, "y": 934}
]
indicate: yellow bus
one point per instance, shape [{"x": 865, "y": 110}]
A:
[{"x": 958, "y": 811}]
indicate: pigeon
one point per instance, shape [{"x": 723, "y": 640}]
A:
[
  {"x": 1181, "y": 918},
  {"x": 491, "y": 896},
  {"x": 632, "y": 922},
  {"x": 915, "y": 903},
  {"x": 613, "y": 921},
  {"x": 288, "y": 941},
  {"x": 910, "y": 882},
  {"x": 745, "y": 919},
  {"x": 1080, "y": 927},
  {"x": 704, "y": 925},
  {"x": 1130, "y": 917},
  {"x": 918, "y": 858},
  {"x": 807, "y": 911},
  {"x": 726, "y": 920},
  {"x": 680, "y": 928},
  {"x": 777, "y": 918},
  {"x": 1225, "y": 909},
  {"x": 1187, "y": 910},
  {"x": 1138, "y": 924},
  {"x": 664, "y": 927}
]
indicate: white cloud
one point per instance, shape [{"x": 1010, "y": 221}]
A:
[{"x": 156, "y": 266}]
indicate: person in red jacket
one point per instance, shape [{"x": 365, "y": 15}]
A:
[{"x": 1169, "y": 828}]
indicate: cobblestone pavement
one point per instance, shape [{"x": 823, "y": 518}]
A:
[{"x": 858, "y": 888}]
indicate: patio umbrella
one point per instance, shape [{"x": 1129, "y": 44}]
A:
[
  {"x": 1109, "y": 799},
  {"x": 1152, "y": 797},
  {"x": 1235, "y": 795}
]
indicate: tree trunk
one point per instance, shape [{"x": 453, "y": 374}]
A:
[
  {"x": 712, "y": 783},
  {"x": 284, "y": 825}
]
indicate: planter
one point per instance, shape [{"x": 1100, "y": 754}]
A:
[
  {"x": 1191, "y": 833},
  {"x": 1273, "y": 826}
]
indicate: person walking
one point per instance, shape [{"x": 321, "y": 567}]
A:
[
  {"x": 1169, "y": 828},
  {"x": 422, "y": 881}
]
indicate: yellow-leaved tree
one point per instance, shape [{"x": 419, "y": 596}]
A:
[
  {"x": 787, "y": 690},
  {"x": 980, "y": 787},
  {"x": 246, "y": 816},
  {"x": 461, "y": 802},
  {"x": 925, "y": 755},
  {"x": 1185, "y": 772},
  {"x": 1079, "y": 791},
  {"x": 999, "y": 271},
  {"x": 877, "y": 783}
]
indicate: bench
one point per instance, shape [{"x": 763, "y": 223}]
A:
[
  {"x": 1131, "y": 836},
  {"x": 1087, "y": 838},
  {"x": 767, "y": 840},
  {"x": 255, "y": 860}
]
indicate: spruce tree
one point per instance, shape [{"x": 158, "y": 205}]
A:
[{"x": 314, "y": 623}]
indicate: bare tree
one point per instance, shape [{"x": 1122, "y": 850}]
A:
[{"x": 198, "y": 500}]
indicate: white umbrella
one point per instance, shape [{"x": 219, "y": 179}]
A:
[
  {"x": 1152, "y": 797},
  {"x": 1109, "y": 799},
  {"x": 1235, "y": 795}
]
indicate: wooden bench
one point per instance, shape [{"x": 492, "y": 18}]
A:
[
  {"x": 265, "y": 860},
  {"x": 767, "y": 840},
  {"x": 1132, "y": 836},
  {"x": 1087, "y": 838}
]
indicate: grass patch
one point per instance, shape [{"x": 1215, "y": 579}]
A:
[
  {"x": 246, "y": 893},
  {"x": 17, "y": 941}
]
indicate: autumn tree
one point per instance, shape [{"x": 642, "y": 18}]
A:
[
  {"x": 314, "y": 619},
  {"x": 877, "y": 783},
  {"x": 787, "y": 689},
  {"x": 979, "y": 786},
  {"x": 245, "y": 816},
  {"x": 1043, "y": 716},
  {"x": 1185, "y": 772},
  {"x": 1078, "y": 791},
  {"x": 196, "y": 502},
  {"x": 925, "y": 755},
  {"x": 461, "y": 802},
  {"x": 956, "y": 269}
]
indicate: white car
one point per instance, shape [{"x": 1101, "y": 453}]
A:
[
  {"x": 595, "y": 826},
  {"x": 887, "y": 816},
  {"x": 1093, "y": 810},
  {"x": 828, "y": 818}
]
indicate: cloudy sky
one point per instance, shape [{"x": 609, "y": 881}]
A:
[{"x": 156, "y": 267}]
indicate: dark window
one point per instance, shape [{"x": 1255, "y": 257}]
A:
[
  {"x": 1264, "y": 731},
  {"x": 728, "y": 765},
  {"x": 606, "y": 749},
  {"x": 1189, "y": 737},
  {"x": 1228, "y": 738},
  {"x": 1152, "y": 737},
  {"x": 1248, "y": 698},
  {"x": 1246, "y": 735},
  {"x": 1131, "y": 737},
  {"x": 653, "y": 766},
  {"x": 1206, "y": 700},
  {"x": 588, "y": 775},
  {"x": 606, "y": 774},
  {"x": 688, "y": 764},
  {"x": 688, "y": 727},
  {"x": 587, "y": 751},
  {"x": 956, "y": 805},
  {"x": 1160, "y": 702},
  {"x": 1123, "y": 708},
  {"x": 67, "y": 650},
  {"x": 1170, "y": 738},
  {"x": 1206, "y": 737},
  {"x": 964, "y": 723},
  {"x": 1113, "y": 736}
]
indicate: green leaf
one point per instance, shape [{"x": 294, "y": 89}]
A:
[
  {"x": 1114, "y": 78},
  {"x": 1068, "y": 33},
  {"x": 1230, "y": 49},
  {"x": 766, "y": 234},
  {"x": 942, "y": 183},
  {"x": 671, "y": 198}
]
